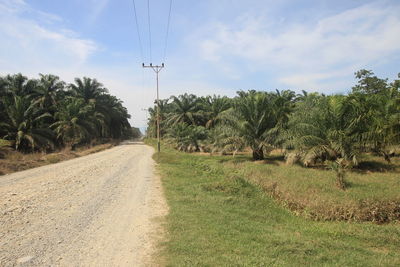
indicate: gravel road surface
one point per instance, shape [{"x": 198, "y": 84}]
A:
[{"x": 104, "y": 209}]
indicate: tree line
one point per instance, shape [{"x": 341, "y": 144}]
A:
[
  {"x": 309, "y": 127},
  {"x": 47, "y": 113}
]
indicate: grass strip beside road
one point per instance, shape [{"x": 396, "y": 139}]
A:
[{"x": 219, "y": 220}]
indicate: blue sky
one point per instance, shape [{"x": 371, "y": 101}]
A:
[{"x": 214, "y": 46}]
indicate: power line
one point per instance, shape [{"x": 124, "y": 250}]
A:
[
  {"x": 137, "y": 29},
  {"x": 148, "y": 19},
  {"x": 166, "y": 35}
]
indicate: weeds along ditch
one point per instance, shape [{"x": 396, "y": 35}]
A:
[{"x": 370, "y": 196}]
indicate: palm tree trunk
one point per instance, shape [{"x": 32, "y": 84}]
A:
[
  {"x": 258, "y": 154},
  {"x": 386, "y": 156}
]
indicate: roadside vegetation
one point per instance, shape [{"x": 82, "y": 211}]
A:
[
  {"x": 218, "y": 217},
  {"x": 46, "y": 114},
  {"x": 326, "y": 157}
]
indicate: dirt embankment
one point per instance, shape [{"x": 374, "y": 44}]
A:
[{"x": 13, "y": 161}]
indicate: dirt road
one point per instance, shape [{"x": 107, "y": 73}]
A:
[{"x": 99, "y": 210}]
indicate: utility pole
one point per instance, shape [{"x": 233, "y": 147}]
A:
[{"x": 156, "y": 69}]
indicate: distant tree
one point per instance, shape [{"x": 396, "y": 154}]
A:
[
  {"x": 135, "y": 133},
  {"x": 368, "y": 83}
]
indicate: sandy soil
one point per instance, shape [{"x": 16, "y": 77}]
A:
[{"x": 104, "y": 209}]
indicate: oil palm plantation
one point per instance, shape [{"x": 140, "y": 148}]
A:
[{"x": 78, "y": 114}]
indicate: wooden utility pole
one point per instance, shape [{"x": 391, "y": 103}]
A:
[{"x": 157, "y": 69}]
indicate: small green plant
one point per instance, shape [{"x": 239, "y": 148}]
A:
[
  {"x": 339, "y": 167},
  {"x": 4, "y": 143}
]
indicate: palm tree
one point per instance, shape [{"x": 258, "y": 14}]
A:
[
  {"x": 184, "y": 109},
  {"x": 165, "y": 110},
  {"x": 115, "y": 116},
  {"x": 3, "y": 116},
  {"x": 19, "y": 85},
  {"x": 187, "y": 137},
  {"x": 325, "y": 128},
  {"x": 382, "y": 126},
  {"x": 47, "y": 90},
  {"x": 88, "y": 89},
  {"x": 2, "y": 87},
  {"x": 75, "y": 122},
  {"x": 225, "y": 140},
  {"x": 214, "y": 107},
  {"x": 283, "y": 105},
  {"x": 24, "y": 125},
  {"x": 253, "y": 115}
]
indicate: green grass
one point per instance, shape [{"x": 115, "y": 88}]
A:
[{"x": 220, "y": 219}]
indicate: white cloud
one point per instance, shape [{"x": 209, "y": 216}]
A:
[
  {"x": 310, "y": 52},
  {"x": 27, "y": 43},
  {"x": 31, "y": 47},
  {"x": 97, "y": 7}
]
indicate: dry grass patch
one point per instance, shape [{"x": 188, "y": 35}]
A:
[
  {"x": 14, "y": 161},
  {"x": 372, "y": 193}
]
